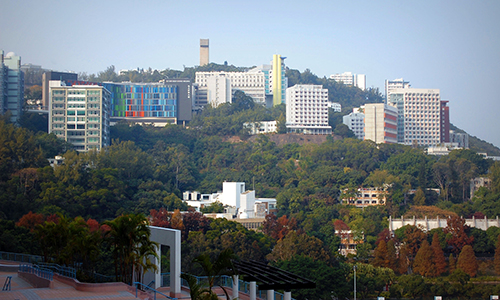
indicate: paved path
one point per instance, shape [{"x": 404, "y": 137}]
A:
[{"x": 21, "y": 290}]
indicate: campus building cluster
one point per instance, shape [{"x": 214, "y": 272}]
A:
[{"x": 409, "y": 115}]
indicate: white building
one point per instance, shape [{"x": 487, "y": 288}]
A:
[
  {"x": 262, "y": 127},
  {"x": 237, "y": 201},
  {"x": 395, "y": 84},
  {"x": 337, "y": 107},
  {"x": 380, "y": 123},
  {"x": 356, "y": 122},
  {"x": 307, "y": 109},
  {"x": 419, "y": 118},
  {"x": 218, "y": 90},
  {"x": 80, "y": 115},
  {"x": 251, "y": 83},
  {"x": 347, "y": 78}
]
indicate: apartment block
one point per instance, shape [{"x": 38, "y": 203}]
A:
[
  {"x": 79, "y": 114},
  {"x": 307, "y": 109},
  {"x": 380, "y": 123},
  {"x": 419, "y": 115}
]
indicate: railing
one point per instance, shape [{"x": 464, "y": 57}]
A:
[
  {"x": 61, "y": 270},
  {"x": 226, "y": 281},
  {"x": 38, "y": 271},
  {"x": 137, "y": 284},
  {"x": 6, "y": 285},
  {"x": 26, "y": 258}
]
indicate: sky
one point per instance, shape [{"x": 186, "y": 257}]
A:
[{"x": 453, "y": 45}]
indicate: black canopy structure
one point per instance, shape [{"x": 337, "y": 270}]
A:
[{"x": 271, "y": 278}]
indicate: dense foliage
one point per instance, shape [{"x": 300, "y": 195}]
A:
[{"x": 146, "y": 169}]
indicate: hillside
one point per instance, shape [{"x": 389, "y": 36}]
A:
[{"x": 478, "y": 145}]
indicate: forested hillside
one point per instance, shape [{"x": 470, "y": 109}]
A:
[{"x": 141, "y": 176}]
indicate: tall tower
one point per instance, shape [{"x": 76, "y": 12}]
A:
[
  {"x": 278, "y": 79},
  {"x": 204, "y": 52}
]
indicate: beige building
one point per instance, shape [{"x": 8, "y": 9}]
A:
[
  {"x": 366, "y": 197},
  {"x": 419, "y": 115},
  {"x": 381, "y": 121},
  {"x": 204, "y": 58}
]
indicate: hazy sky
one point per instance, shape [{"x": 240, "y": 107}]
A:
[{"x": 453, "y": 46}]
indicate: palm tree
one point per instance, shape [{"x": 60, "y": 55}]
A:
[
  {"x": 222, "y": 265},
  {"x": 129, "y": 238}
]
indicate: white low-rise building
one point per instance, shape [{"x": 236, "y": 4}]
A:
[
  {"x": 238, "y": 202},
  {"x": 261, "y": 127}
]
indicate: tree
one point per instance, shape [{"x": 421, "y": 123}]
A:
[
  {"x": 452, "y": 263},
  {"x": 467, "y": 261},
  {"x": 129, "y": 239},
  {"x": 299, "y": 244},
  {"x": 423, "y": 261},
  {"x": 213, "y": 271},
  {"x": 381, "y": 255},
  {"x": 419, "y": 198},
  {"x": 392, "y": 255},
  {"x": 497, "y": 257},
  {"x": 403, "y": 260},
  {"x": 455, "y": 234},
  {"x": 438, "y": 259},
  {"x": 331, "y": 281}
]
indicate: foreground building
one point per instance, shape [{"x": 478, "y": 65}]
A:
[
  {"x": 419, "y": 115},
  {"x": 11, "y": 85},
  {"x": 307, "y": 109},
  {"x": 79, "y": 114}
]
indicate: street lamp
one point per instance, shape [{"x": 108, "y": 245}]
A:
[{"x": 354, "y": 267}]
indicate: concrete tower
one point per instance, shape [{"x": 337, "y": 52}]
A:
[{"x": 204, "y": 52}]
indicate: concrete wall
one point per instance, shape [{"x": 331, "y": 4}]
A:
[
  {"x": 36, "y": 281},
  {"x": 429, "y": 224}
]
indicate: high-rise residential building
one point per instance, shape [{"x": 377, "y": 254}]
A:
[
  {"x": 11, "y": 85},
  {"x": 445, "y": 122},
  {"x": 356, "y": 122},
  {"x": 51, "y": 75},
  {"x": 380, "y": 122},
  {"x": 204, "y": 58},
  {"x": 395, "y": 84},
  {"x": 347, "y": 78},
  {"x": 419, "y": 115},
  {"x": 307, "y": 109},
  {"x": 79, "y": 114}
]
